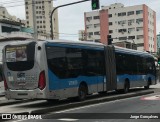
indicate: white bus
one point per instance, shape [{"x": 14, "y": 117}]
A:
[{"x": 62, "y": 69}]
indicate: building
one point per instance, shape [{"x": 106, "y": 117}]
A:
[
  {"x": 134, "y": 24},
  {"x": 158, "y": 43},
  {"x": 6, "y": 16},
  {"x": 43, "y": 10}
]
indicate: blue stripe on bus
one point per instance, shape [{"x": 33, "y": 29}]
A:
[
  {"x": 74, "y": 46},
  {"x": 55, "y": 83},
  {"x": 133, "y": 78}
]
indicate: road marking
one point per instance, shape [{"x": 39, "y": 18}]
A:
[
  {"x": 156, "y": 97},
  {"x": 68, "y": 119}
]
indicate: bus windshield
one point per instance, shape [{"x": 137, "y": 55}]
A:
[{"x": 21, "y": 57}]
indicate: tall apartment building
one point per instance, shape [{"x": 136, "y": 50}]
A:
[
  {"x": 158, "y": 42},
  {"x": 135, "y": 24},
  {"x": 43, "y": 10}
]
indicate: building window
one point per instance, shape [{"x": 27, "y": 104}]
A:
[
  {"x": 89, "y": 26},
  {"x": 37, "y": 21},
  {"x": 139, "y": 36},
  {"x": 44, "y": 26},
  {"x": 26, "y": 7},
  {"x": 39, "y": 7},
  {"x": 123, "y": 38},
  {"x": 131, "y": 37},
  {"x": 97, "y": 40},
  {"x": 110, "y": 31},
  {"x": 110, "y": 23},
  {"x": 131, "y": 30},
  {"x": 90, "y": 34},
  {"x": 96, "y": 25},
  {"x": 130, "y": 21},
  {"x": 39, "y": 12},
  {"x": 122, "y": 30},
  {"x": 97, "y": 33},
  {"x": 122, "y": 22},
  {"x": 140, "y": 20},
  {"x": 36, "y": 12},
  {"x": 36, "y": 7},
  {"x": 27, "y": 17},
  {"x": 44, "y": 22},
  {"x": 139, "y": 28},
  {"x": 122, "y": 14},
  {"x": 88, "y": 19},
  {"x": 28, "y": 22},
  {"x": 139, "y": 12},
  {"x": 110, "y": 15},
  {"x": 96, "y": 17},
  {"x": 26, "y": 12},
  {"x": 26, "y": 3},
  {"x": 130, "y": 13}
]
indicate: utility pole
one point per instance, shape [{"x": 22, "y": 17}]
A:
[
  {"x": 52, "y": 35},
  {"x": 34, "y": 20}
]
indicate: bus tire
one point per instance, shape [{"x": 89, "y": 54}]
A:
[
  {"x": 126, "y": 87},
  {"x": 148, "y": 84},
  {"x": 82, "y": 92}
]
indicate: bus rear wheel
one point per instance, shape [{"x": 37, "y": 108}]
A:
[{"x": 82, "y": 92}]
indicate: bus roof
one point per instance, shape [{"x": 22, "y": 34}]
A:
[
  {"x": 77, "y": 43},
  {"x": 131, "y": 51}
]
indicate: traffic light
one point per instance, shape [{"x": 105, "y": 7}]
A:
[
  {"x": 110, "y": 39},
  {"x": 95, "y": 4},
  {"x": 159, "y": 60}
]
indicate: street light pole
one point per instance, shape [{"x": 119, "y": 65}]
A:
[
  {"x": 51, "y": 22},
  {"x": 34, "y": 20}
]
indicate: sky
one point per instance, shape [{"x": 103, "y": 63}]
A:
[{"x": 71, "y": 18}]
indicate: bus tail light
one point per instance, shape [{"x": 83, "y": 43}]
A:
[
  {"x": 5, "y": 84},
  {"x": 42, "y": 81}
]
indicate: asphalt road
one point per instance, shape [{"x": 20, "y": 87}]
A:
[{"x": 122, "y": 110}]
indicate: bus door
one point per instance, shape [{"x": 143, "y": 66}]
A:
[{"x": 110, "y": 66}]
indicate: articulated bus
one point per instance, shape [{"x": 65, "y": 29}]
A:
[{"x": 62, "y": 69}]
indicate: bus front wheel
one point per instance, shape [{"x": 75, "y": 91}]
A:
[{"x": 82, "y": 92}]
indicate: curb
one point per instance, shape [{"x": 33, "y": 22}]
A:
[{"x": 88, "y": 102}]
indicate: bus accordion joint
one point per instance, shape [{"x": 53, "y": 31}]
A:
[{"x": 42, "y": 81}]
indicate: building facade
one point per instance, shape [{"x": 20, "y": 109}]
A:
[
  {"x": 158, "y": 42},
  {"x": 43, "y": 10},
  {"x": 134, "y": 24}
]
